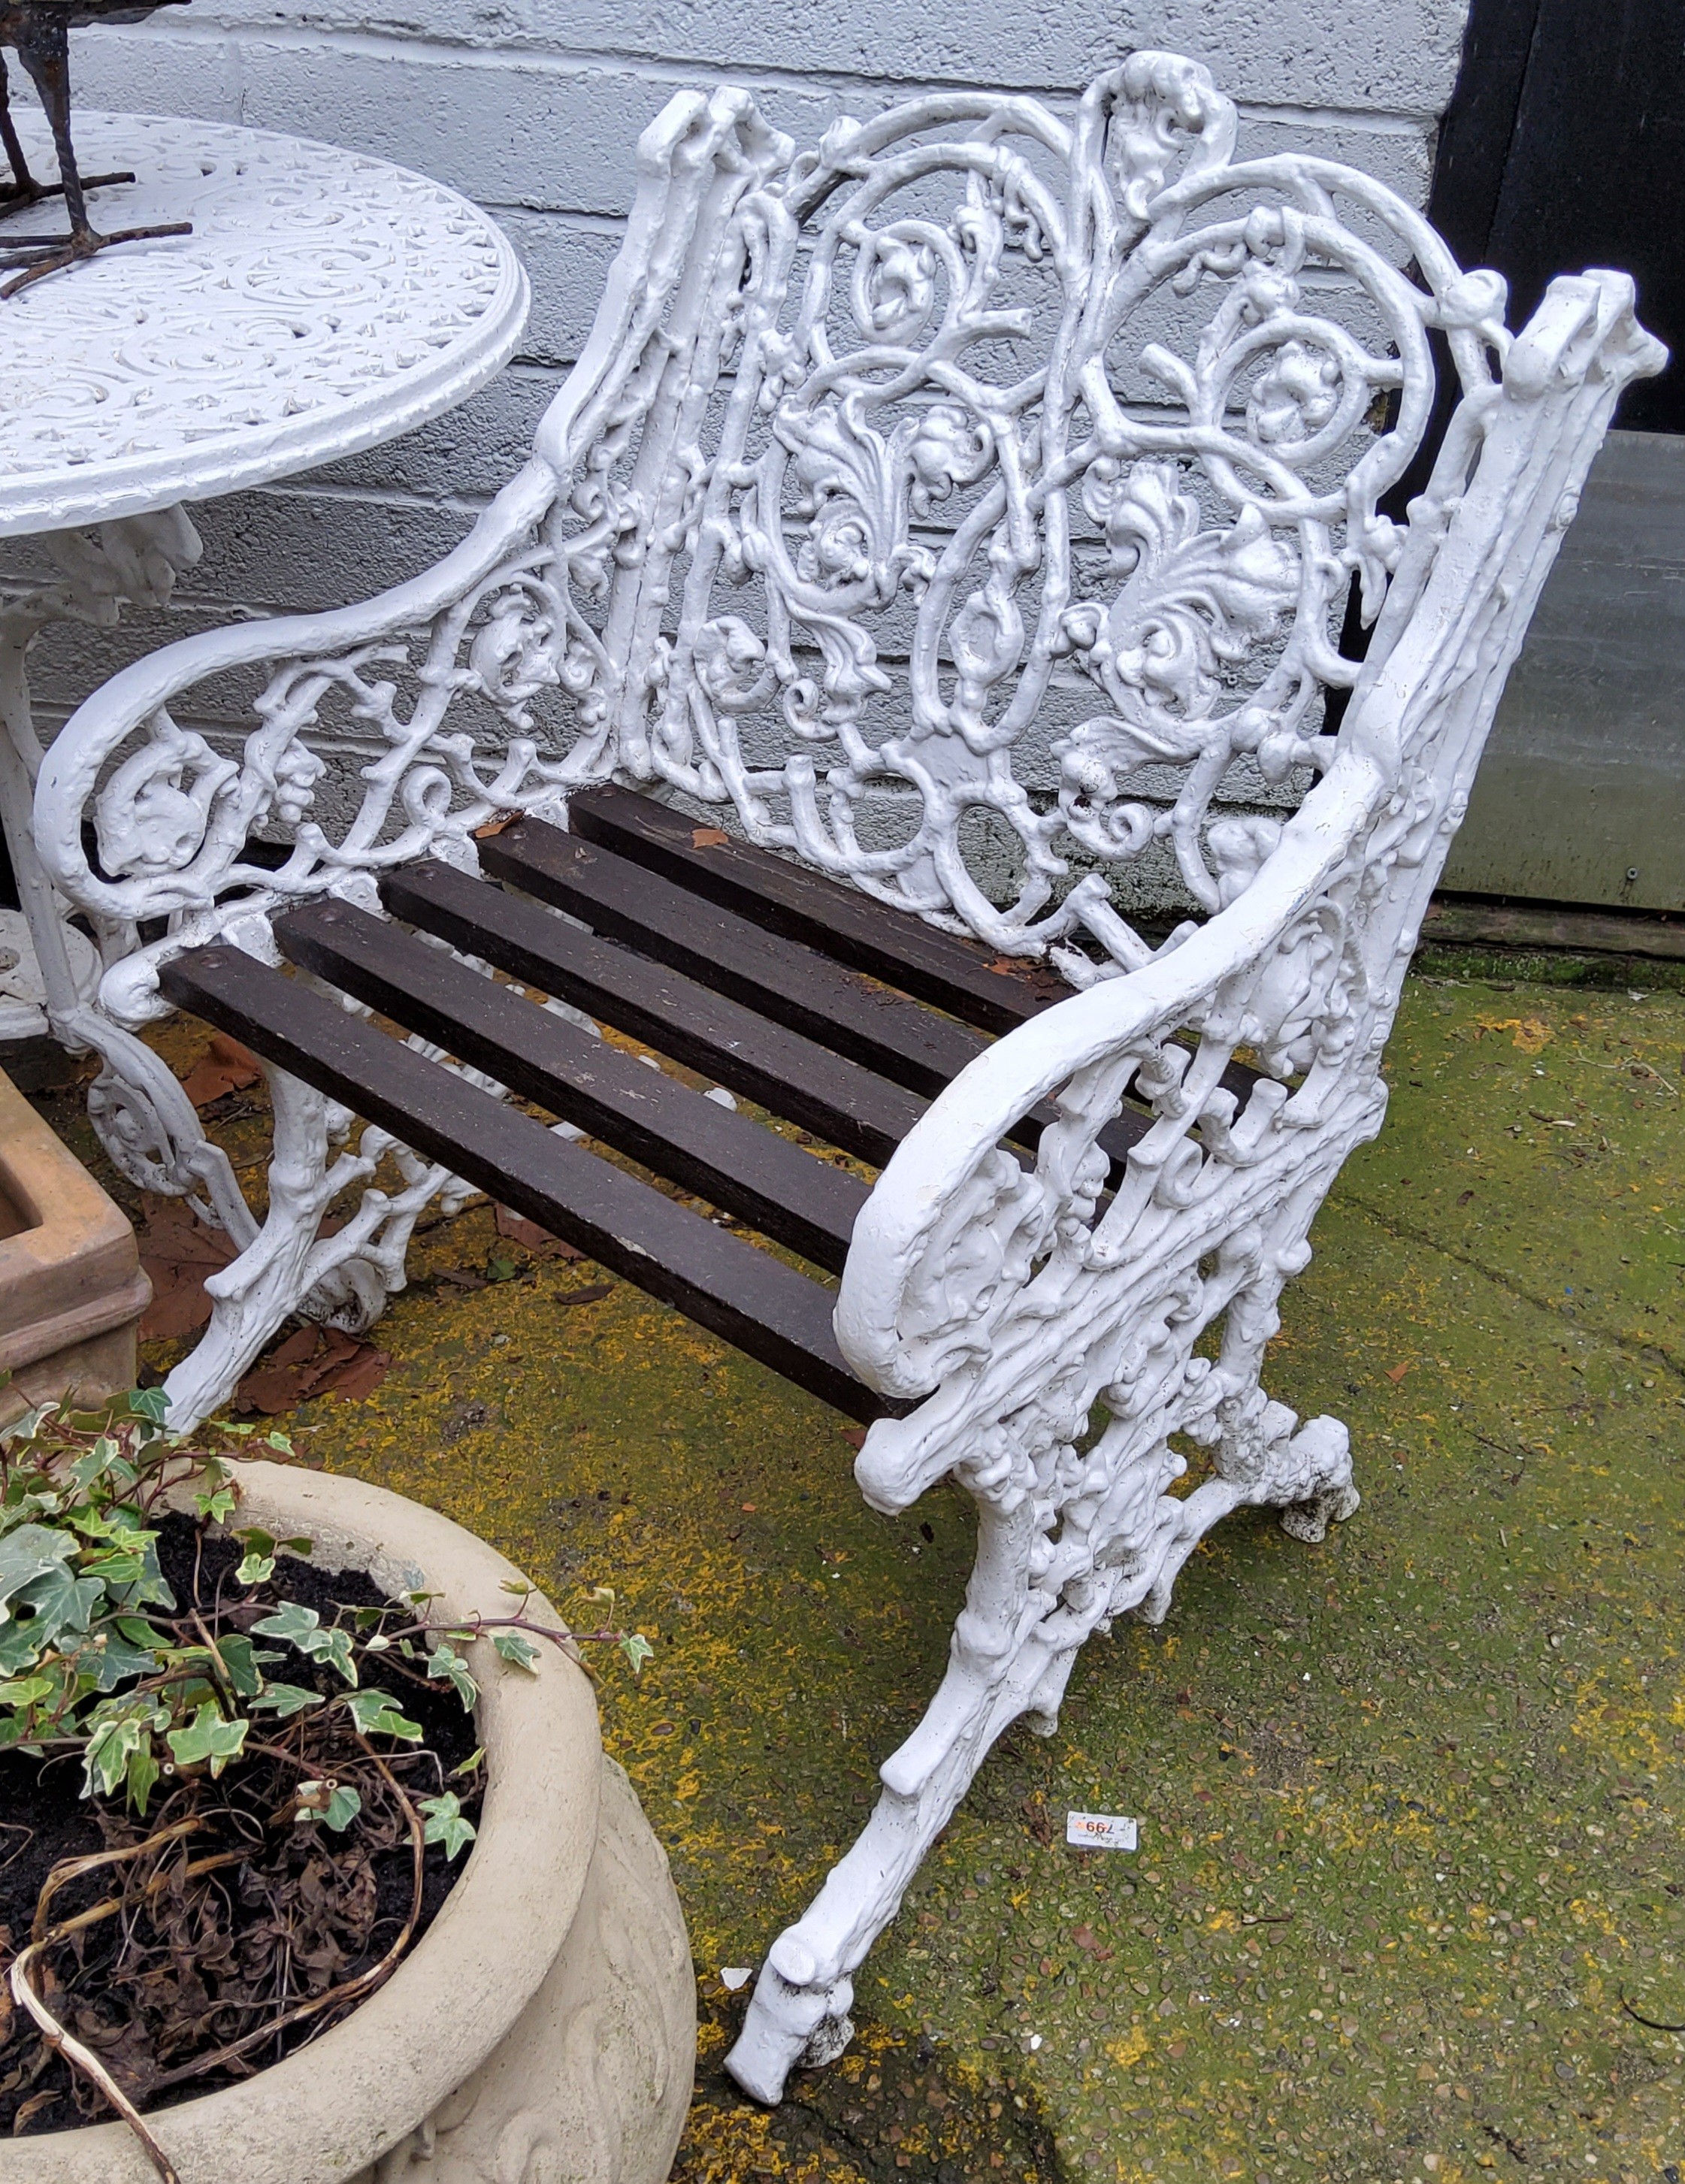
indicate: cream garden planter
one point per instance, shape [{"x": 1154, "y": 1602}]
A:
[{"x": 543, "y": 2029}]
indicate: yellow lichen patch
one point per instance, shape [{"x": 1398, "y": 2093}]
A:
[{"x": 1532, "y": 1033}]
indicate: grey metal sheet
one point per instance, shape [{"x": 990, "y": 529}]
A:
[{"x": 1581, "y": 797}]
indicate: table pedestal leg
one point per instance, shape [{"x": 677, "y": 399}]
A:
[
  {"x": 38, "y": 980},
  {"x": 49, "y": 971}
]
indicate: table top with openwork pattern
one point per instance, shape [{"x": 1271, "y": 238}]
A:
[{"x": 324, "y": 302}]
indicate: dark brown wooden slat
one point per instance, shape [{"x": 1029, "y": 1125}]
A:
[
  {"x": 829, "y": 916},
  {"x": 822, "y": 913},
  {"x": 797, "y": 987},
  {"x": 805, "y": 1083},
  {"x": 744, "y": 1295},
  {"x": 792, "y": 1076},
  {"x": 784, "y": 1192},
  {"x": 791, "y": 984}
]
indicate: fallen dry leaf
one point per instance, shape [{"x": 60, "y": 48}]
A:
[
  {"x": 225, "y": 1066},
  {"x": 855, "y": 1436},
  {"x": 709, "y": 837},
  {"x": 178, "y": 1251},
  {"x": 520, "y": 1230},
  {"x": 495, "y": 825},
  {"x": 310, "y": 1362},
  {"x": 1396, "y": 1372},
  {"x": 592, "y": 1293}
]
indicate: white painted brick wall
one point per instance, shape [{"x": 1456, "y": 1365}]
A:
[{"x": 532, "y": 107}]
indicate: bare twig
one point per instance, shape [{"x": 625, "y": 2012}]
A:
[
  {"x": 83, "y": 2060},
  {"x": 72, "y": 1868},
  {"x": 44, "y": 1937},
  {"x": 1655, "y": 2024}
]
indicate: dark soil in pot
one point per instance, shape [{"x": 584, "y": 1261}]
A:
[{"x": 243, "y": 1931}]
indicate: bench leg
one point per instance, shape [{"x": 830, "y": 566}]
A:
[
  {"x": 1031, "y": 1602},
  {"x": 288, "y": 1265}
]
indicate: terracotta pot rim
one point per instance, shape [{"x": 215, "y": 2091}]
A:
[{"x": 328, "y": 2111}]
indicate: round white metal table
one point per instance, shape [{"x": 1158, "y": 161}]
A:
[{"x": 324, "y": 303}]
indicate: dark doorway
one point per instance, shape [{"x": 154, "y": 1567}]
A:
[{"x": 1564, "y": 146}]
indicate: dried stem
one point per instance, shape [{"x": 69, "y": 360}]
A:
[
  {"x": 83, "y": 2060},
  {"x": 43, "y": 1938},
  {"x": 355, "y": 1990}
]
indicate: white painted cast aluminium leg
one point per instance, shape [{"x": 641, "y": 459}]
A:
[{"x": 1005, "y": 1665}]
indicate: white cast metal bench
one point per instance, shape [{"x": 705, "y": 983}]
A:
[{"x": 964, "y": 511}]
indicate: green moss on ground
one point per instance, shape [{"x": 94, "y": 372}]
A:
[{"x": 1410, "y": 1800}]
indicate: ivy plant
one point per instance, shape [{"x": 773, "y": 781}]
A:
[{"x": 97, "y": 1655}]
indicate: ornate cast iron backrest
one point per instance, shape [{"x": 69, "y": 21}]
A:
[{"x": 980, "y": 493}]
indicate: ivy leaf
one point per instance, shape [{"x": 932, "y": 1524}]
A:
[
  {"x": 332, "y": 1801},
  {"x": 636, "y": 1649},
  {"x": 302, "y": 1627},
  {"x": 376, "y": 1715},
  {"x": 148, "y": 1588},
  {"x": 114, "y": 1741},
  {"x": 444, "y": 1664},
  {"x": 285, "y": 1700},
  {"x": 258, "y": 1564},
  {"x": 116, "y": 1661},
  {"x": 88, "y": 1470},
  {"x": 150, "y": 1403},
  {"x": 25, "y": 1690},
  {"x": 142, "y": 1775},
  {"x": 470, "y": 1764},
  {"x": 514, "y": 1647},
  {"x": 217, "y": 1504},
  {"x": 343, "y": 1807},
  {"x": 445, "y": 1823},
  {"x": 334, "y": 1647},
  {"x": 62, "y": 1601},
  {"x": 208, "y": 1738},
  {"x": 289, "y": 1622},
  {"x": 17, "y": 1648},
  {"x": 115, "y": 1567},
  {"x": 31, "y": 1552},
  {"x": 240, "y": 1659}
]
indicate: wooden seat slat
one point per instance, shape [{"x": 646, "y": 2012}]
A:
[
  {"x": 820, "y": 912},
  {"x": 780, "y": 979},
  {"x": 830, "y": 917},
  {"x": 788, "y": 1194},
  {"x": 743, "y": 1295},
  {"x": 799, "y": 1079},
  {"x": 793, "y": 1077}
]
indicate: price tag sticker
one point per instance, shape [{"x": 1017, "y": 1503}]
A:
[{"x": 1100, "y": 1831}]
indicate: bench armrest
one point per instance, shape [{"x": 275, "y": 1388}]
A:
[
  {"x": 965, "y": 1258},
  {"x": 496, "y": 622},
  {"x": 970, "y": 1277}
]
